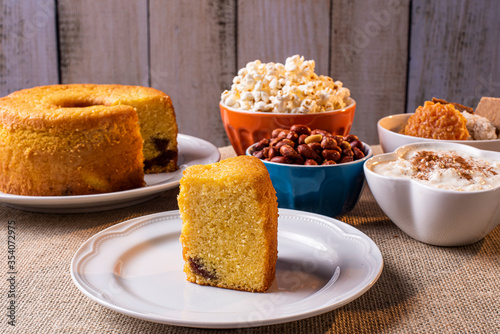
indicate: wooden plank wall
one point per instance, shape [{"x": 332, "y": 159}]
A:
[
  {"x": 455, "y": 51},
  {"x": 369, "y": 55},
  {"x": 103, "y": 41},
  {"x": 28, "y": 44},
  {"x": 392, "y": 54}
]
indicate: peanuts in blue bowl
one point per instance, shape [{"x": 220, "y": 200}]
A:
[{"x": 329, "y": 189}]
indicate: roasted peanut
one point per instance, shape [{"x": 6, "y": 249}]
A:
[
  {"x": 347, "y": 152},
  {"x": 258, "y": 154},
  {"x": 261, "y": 144},
  {"x": 351, "y": 138},
  {"x": 293, "y": 136},
  {"x": 357, "y": 143},
  {"x": 347, "y": 158},
  {"x": 284, "y": 142},
  {"x": 344, "y": 145},
  {"x": 301, "y": 129},
  {"x": 320, "y": 132},
  {"x": 338, "y": 139},
  {"x": 316, "y": 147},
  {"x": 265, "y": 151},
  {"x": 281, "y": 160},
  {"x": 313, "y": 139},
  {"x": 328, "y": 143},
  {"x": 289, "y": 152},
  {"x": 273, "y": 152},
  {"x": 358, "y": 154},
  {"x": 300, "y": 145},
  {"x": 310, "y": 162},
  {"x": 274, "y": 141},
  {"x": 302, "y": 139},
  {"x": 283, "y": 134},
  {"x": 307, "y": 152},
  {"x": 276, "y": 132},
  {"x": 331, "y": 155},
  {"x": 299, "y": 160}
]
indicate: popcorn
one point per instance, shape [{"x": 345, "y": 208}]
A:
[{"x": 289, "y": 88}]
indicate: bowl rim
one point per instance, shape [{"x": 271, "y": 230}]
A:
[
  {"x": 402, "y": 117},
  {"x": 476, "y": 153},
  {"x": 276, "y": 114},
  {"x": 368, "y": 155}
]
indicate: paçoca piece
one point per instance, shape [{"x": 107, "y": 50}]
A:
[
  {"x": 290, "y": 88},
  {"x": 489, "y": 107},
  {"x": 450, "y": 170}
]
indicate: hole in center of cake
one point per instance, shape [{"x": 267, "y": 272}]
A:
[{"x": 81, "y": 102}]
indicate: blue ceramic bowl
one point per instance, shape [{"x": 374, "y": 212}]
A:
[{"x": 328, "y": 190}]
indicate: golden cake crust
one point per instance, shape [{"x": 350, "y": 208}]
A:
[
  {"x": 80, "y": 138},
  {"x": 230, "y": 218},
  {"x": 68, "y": 106}
]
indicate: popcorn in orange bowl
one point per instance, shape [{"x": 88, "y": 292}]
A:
[{"x": 266, "y": 96}]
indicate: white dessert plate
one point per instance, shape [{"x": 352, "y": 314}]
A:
[
  {"x": 192, "y": 151},
  {"x": 136, "y": 268}
]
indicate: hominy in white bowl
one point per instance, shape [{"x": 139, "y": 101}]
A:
[{"x": 443, "y": 194}]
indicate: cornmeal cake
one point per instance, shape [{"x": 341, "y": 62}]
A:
[
  {"x": 229, "y": 217},
  {"x": 84, "y": 139}
]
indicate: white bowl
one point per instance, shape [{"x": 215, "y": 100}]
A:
[
  {"x": 432, "y": 215},
  {"x": 390, "y": 139}
]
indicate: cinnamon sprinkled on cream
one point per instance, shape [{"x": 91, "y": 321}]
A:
[
  {"x": 444, "y": 169},
  {"x": 425, "y": 162}
]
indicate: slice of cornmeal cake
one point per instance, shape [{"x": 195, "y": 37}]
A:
[{"x": 229, "y": 214}]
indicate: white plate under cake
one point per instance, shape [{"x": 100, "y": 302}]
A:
[{"x": 136, "y": 268}]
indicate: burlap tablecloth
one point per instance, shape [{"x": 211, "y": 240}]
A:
[{"x": 422, "y": 289}]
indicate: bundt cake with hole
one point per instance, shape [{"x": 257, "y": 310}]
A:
[
  {"x": 229, "y": 217},
  {"x": 84, "y": 139}
]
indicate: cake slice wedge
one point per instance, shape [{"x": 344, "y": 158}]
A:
[{"x": 229, "y": 217}]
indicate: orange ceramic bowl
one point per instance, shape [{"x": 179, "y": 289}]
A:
[{"x": 247, "y": 127}]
